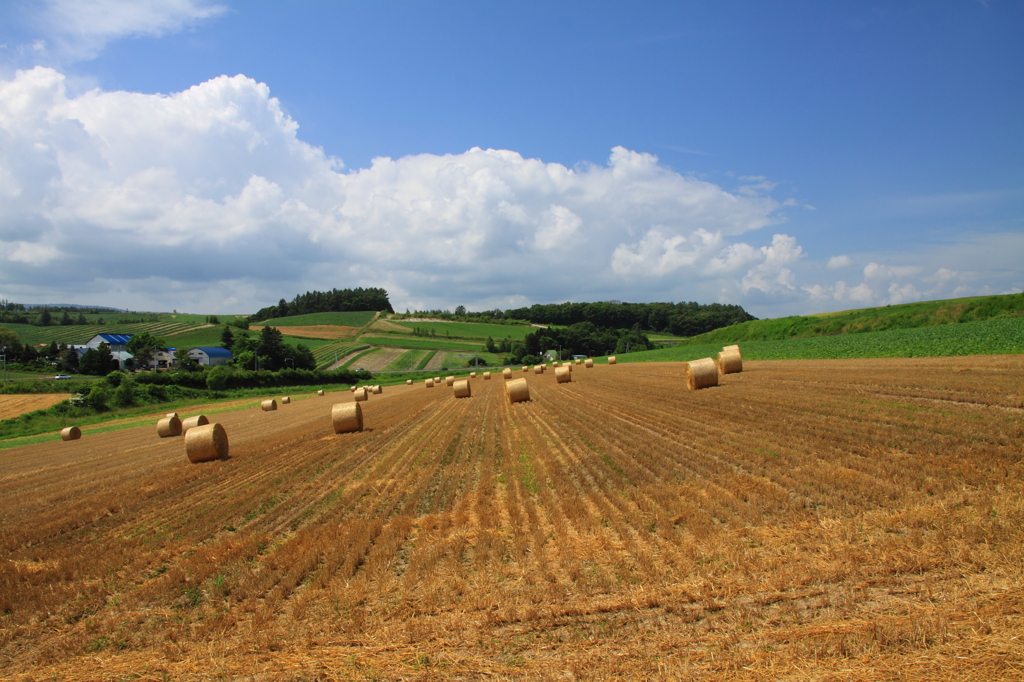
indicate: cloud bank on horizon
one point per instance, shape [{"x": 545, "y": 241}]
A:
[{"x": 208, "y": 200}]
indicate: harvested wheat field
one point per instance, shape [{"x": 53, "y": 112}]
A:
[
  {"x": 853, "y": 520},
  {"x": 317, "y": 331},
  {"x": 14, "y": 405}
]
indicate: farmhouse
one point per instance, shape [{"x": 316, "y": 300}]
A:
[
  {"x": 162, "y": 358},
  {"x": 117, "y": 342},
  {"x": 210, "y": 355}
]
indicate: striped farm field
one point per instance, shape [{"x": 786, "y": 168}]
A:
[
  {"x": 79, "y": 334},
  {"x": 819, "y": 519}
]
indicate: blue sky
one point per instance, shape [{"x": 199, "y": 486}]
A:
[{"x": 792, "y": 157}]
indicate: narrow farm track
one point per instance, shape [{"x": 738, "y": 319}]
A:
[{"x": 856, "y": 519}]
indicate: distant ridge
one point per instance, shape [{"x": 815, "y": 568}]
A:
[{"x": 31, "y": 306}]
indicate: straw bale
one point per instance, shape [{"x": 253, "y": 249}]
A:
[
  {"x": 506, "y": 373},
  {"x": 206, "y": 443},
  {"x": 563, "y": 375},
  {"x": 701, "y": 374},
  {"x": 472, "y": 375},
  {"x": 193, "y": 422},
  {"x": 732, "y": 347},
  {"x": 526, "y": 368},
  {"x": 168, "y": 426},
  {"x": 286, "y": 399},
  {"x": 487, "y": 376},
  {"x": 376, "y": 389},
  {"x": 352, "y": 388},
  {"x": 449, "y": 381},
  {"x": 539, "y": 369},
  {"x": 578, "y": 361},
  {"x": 347, "y": 417},
  {"x": 611, "y": 360},
  {"x": 408, "y": 382},
  {"x": 517, "y": 390},
  {"x": 71, "y": 433},
  {"x": 169, "y": 415},
  {"x": 437, "y": 380},
  {"x": 268, "y": 405},
  {"x": 730, "y": 362},
  {"x": 462, "y": 389},
  {"x": 320, "y": 392},
  {"x": 589, "y": 363},
  {"x": 362, "y": 394},
  {"x": 429, "y": 383}
]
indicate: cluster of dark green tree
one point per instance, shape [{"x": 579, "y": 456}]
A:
[
  {"x": 266, "y": 350},
  {"x": 680, "y": 319},
  {"x": 333, "y": 301},
  {"x": 582, "y": 338},
  {"x": 48, "y": 316}
]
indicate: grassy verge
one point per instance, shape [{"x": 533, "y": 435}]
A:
[{"x": 426, "y": 359}]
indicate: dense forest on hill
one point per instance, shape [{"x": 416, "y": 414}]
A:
[{"x": 333, "y": 301}]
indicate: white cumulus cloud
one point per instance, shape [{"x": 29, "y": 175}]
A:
[{"x": 836, "y": 262}]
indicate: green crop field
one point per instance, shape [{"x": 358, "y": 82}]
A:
[
  {"x": 406, "y": 361},
  {"x": 326, "y": 353},
  {"x": 346, "y": 319},
  {"x": 470, "y": 330},
  {"x": 79, "y": 334},
  {"x": 354, "y": 361},
  {"x": 986, "y": 337},
  {"x": 425, "y": 343}
]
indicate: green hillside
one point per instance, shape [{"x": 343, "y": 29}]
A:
[
  {"x": 469, "y": 330},
  {"x": 905, "y": 316},
  {"x": 346, "y": 319}
]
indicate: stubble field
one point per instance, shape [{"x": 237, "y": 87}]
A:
[{"x": 852, "y": 519}]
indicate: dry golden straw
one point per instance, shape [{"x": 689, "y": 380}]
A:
[
  {"x": 462, "y": 389},
  {"x": 171, "y": 414},
  {"x": 589, "y": 363},
  {"x": 730, "y": 362},
  {"x": 408, "y": 382},
  {"x": 437, "y": 380},
  {"x": 487, "y": 376},
  {"x": 168, "y": 426},
  {"x": 347, "y": 417},
  {"x": 352, "y": 388},
  {"x": 539, "y": 369},
  {"x": 71, "y": 433},
  {"x": 506, "y": 373},
  {"x": 526, "y": 368},
  {"x": 193, "y": 422},
  {"x": 361, "y": 394},
  {"x": 429, "y": 383},
  {"x": 206, "y": 443},
  {"x": 701, "y": 374},
  {"x": 611, "y": 360},
  {"x": 269, "y": 405},
  {"x": 517, "y": 390},
  {"x": 376, "y": 389},
  {"x": 732, "y": 347},
  {"x": 285, "y": 400},
  {"x": 450, "y": 381},
  {"x": 472, "y": 375},
  {"x": 563, "y": 375},
  {"x": 577, "y": 361},
  {"x": 320, "y": 392}
]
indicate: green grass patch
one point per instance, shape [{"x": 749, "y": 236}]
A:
[
  {"x": 326, "y": 354},
  {"x": 422, "y": 343},
  {"x": 425, "y": 360},
  {"x": 987, "y": 337},
  {"x": 345, "y": 319},
  {"x": 352, "y": 362},
  {"x": 406, "y": 360},
  {"x": 80, "y": 334},
  {"x": 470, "y": 330}
]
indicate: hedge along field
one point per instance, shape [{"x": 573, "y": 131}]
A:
[
  {"x": 851, "y": 519},
  {"x": 470, "y": 330},
  {"x": 988, "y": 337},
  {"x": 343, "y": 319}
]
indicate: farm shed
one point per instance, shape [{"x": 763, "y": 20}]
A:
[{"x": 210, "y": 355}]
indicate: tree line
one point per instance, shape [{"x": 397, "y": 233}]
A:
[{"x": 333, "y": 301}]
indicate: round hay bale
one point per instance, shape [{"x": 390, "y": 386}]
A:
[
  {"x": 168, "y": 426},
  {"x": 347, "y": 417},
  {"x": 170, "y": 415},
  {"x": 285, "y": 400},
  {"x": 701, "y": 374},
  {"x": 589, "y": 363},
  {"x": 732, "y": 347},
  {"x": 577, "y": 361},
  {"x": 506, "y": 373},
  {"x": 376, "y": 389},
  {"x": 450, "y": 381},
  {"x": 193, "y": 422},
  {"x": 730, "y": 362},
  {"x": 462, "y": 389},
  {"x": 408, "y": 382},
  {"x": 563, "y": 375},
  {"x": 429, "y": 383},
  {"x": 361, "y": 394},
  {"x": 487, "y": 376},
  {"x": 437, "y": 380},
  {"x": 352, "y": 388},
  {"x": 206, "y": 443},
  {"x": 611, "y": 360},
  {"x": 71, "y": 433},
  {"x": 526, "y": 368},
  {"x": 472, "y": 375},
  {"x": 518, "y": 391},
  {"x": 320, "y": 392},
  {"x": 539, "y": 369},
  {"x": 268, "y": 405}
]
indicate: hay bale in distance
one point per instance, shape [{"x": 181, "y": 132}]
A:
[
  {"x": 171, "y": 414},
  {"x": 320, "y": 392},
  {"x": 578, "y": 361},
  {"x": 611, "y": 360},
  {"x": 71, "y": 433},
  {"x": 732, "y": 347},
  {"x": 449, "y": 381},
  {"x": 376, "y": 389},
  {"x": 168, "y": 426},
  {"x": 352, "y": 388},
  {"x": 730, "y": 362},
  {"x": 268, "y": 405},
  {"x": 361, "y": 394},
  {"x": 347, "y": 417},
  {"x": 526, "y": 368},
  {"x": 563, "y": 375},
  {"x": 518, "y": 390},
  {"x": 506, "y": 373},
  {"x": 408, "y": 382},
  {"x": 487, "y": 376},
  {"x": 286, "y": 399},
  {"x": 437, "y": 380},
  {"x": 472, "y": 375},
  {"x": 429, "y": 383},
  {"x": 193, "y": 422},
  {"x": 462, "y": 389},
  {"x": 206, "y": 443},
  {"x": 589, "y": 363},
  {"x": 539, "y": 369},
  {"x": 701, "y": 374}
]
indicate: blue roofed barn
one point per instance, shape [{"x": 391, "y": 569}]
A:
[{"x": 210, "y": 355}]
